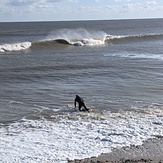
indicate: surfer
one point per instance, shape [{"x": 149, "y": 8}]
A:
[{"x": 80, "y": 102}]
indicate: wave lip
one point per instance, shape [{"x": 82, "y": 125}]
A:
[
  {"x": 15, "y": 47},
  {"x": 132, "y": 38}
]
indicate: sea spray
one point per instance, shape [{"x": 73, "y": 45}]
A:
[
  {"x": 78, "y": 33},
  {"x": 79, "y": 36}
]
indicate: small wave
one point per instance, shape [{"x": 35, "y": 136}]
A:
[
  {"x": 136, "y": 55},
  {"x": 15, "y": 46},
  {"x": 131, "y": 38}
]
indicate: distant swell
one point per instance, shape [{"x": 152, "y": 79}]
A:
[
  {"x": 102, "y": 39},
  {"x": 132, "y": 38}
]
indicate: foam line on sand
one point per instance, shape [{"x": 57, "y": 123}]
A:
[{"x": 150, "y": 151}]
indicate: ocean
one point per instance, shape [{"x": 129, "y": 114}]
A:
[{"x": 115, "y": 65}]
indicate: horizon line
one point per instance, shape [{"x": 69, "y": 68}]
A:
[{"x": 76, "y": 20}]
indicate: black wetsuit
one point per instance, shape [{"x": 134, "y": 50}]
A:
[{"x": 80, "y": 102}]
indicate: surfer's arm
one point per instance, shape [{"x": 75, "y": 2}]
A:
[{"x": 75, "y": 103}]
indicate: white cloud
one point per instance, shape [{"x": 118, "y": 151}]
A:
[
  {"x": 38, "y": 2},
  {"x": 152, "y": 3},
  {"x": 152, "y": 6},
  {"x": 122, "y": 0},
  {"x": 54, "y": 1},
  {"x": 2, "y": 1},
  {"x": 132, "y": 7},
  {"x": 78, "y": 9}
]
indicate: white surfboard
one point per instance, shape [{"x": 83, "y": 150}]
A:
[{"x": 71, "y": 106}]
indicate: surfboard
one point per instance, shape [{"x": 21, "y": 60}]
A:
[{"x": 71, "y": 106}]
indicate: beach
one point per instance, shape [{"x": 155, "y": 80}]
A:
[{"x": 151, "y": 151}]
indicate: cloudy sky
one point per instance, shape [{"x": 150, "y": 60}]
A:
[{"x": 59, "y": 10}]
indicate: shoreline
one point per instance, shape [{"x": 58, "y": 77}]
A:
[{"x": 151, "y": 151}]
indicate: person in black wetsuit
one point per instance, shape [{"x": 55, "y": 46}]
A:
[{"x": 80, "y": 102}]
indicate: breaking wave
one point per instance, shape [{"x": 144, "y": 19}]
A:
[
  {"x": 15, "y": 46},
  {"x": 94, "y": 40},
  {"x": 78, "y": 37}
]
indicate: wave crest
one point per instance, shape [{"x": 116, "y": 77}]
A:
[
  {"x": 132, "y": 38},
  {"x": 79, "y": 37}
]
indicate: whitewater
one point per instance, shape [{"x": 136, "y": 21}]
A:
[
  {"x": 15, "y": 46},
  {"x": 76, "y": 135}
]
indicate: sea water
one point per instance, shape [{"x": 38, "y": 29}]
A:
[{"x": 116, "y": 66}]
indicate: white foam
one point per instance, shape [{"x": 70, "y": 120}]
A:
[
  {"x": 15, "y": 46},
  {"x": 112, "y": 37},
  {"x": 89, "y": 42},
  {"x": 57, "y": 141}
]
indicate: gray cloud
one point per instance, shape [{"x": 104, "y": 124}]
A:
[
  {"x": 31, "y": 2},
  {"x": 20, "y": 2}
]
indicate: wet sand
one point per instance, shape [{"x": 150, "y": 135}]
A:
[{"x": 151, "y": 151}]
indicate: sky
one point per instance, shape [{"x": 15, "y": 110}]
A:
[{"x": 67, "y": 10}]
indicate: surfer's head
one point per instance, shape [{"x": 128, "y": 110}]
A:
[{"x": 77, "y": 96}]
